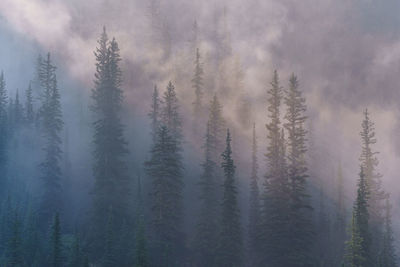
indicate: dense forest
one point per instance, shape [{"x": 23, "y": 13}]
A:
[{"x": 196, "y": 171}]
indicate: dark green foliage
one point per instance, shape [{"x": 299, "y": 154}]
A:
[
  {"x": 55, "y": 246},
  {"x": 112, "y": 184},
  {"x": 51, "y": 125},
  {"x": 354, "y": 255},
  {"x": 165, "y": 170},
  {"x": 230, "y": 252}
]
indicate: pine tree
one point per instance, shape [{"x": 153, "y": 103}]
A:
[
  {"x": 207, "y": 226},
  {"x": 154, "y": 114},
  {"x": 14, "y": 248},
  {"x": 112, "y": 184},
  {"x": 197, "y": 84},
  {"x": 359, "y": 246},
  {"x": 274, "y": 234},
  {"x": 388, "y": 257},
  {"x": 56, "y": 257},
  {"x": 170, "y": 116},
  {"x": 30, "y": 116},
  {"x": 18, "y": 111},
  {"x": 52, "y": 124},
  {"x": 230, "y": 244},
  {"x": 376, "y": 199},
  {"x": 216, "y": 124},
  {"x": 354, "y": 256},
  {"x": 3, "y": 135},
  {"x": 254, "y": 205},
  {"x": 165, "y": 170},
  {"x": 301, "y": 227}
]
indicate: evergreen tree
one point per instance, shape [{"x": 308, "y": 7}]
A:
[
  {"x": 207, "y": 226},
  {"x": 197, "y": 84},
  {"x": 376, "y": 199},
  {"x": 30, "y": 116},
  {"x": 230, "y": 244},
  {"x": 301, "y": 227},
  {"x": 14, "y": 248},
  {"x": 354, "y": 255},
  {"x": 51, "y": 119},
  {"x": 112, "y": 184},
  {"x": 359, "y": 245},
  {"x": 254, "y": 205},
  {"x": 170, "y": 113},
  {"x": 216, "y": 124},
  {"x": 154, "y": 114},
  {"x": 31, "y": 239},
  {"x": 75, "y": 259},
  {"x": 274, "y": 226},
  {"x": 18, "y": 111},
  {"x": 109, "y": 256},
  {"x": 3, "y": 135},
  {"x": 388, "y": 257},
  {"x": 56, "y": 257},
  {"x": 165, "y": 170}
]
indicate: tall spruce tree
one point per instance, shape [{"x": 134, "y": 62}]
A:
[
  {"x": 274, "y": 225},
  {"x": 388, "y": 257},
  {"x": 376, "y": 200},
  {"x": 51, "y": 125},
  {"x": 216, "y": 124},
  {"x": 112, "y": 185},
  {"x": 230, "y": 244},
  {"x": 154, "y": 113},
  {"x": 30, "y": 116},
  {"x": 254, "y": 205},
  {"x": 3, "y": 135},
  {"x": 207, "y": 226},
  {"x": 18, "y": 111},
  {"x": 301, "y": 228},
  {"x": 359, "y": 246},
  {"x": 165, "y": 170},
  {"x": 197, "y": 84},
  {"x": 170, "y": 116}
]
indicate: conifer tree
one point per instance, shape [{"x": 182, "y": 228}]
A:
[
  {"x": 56, "y": 257},
  {"x": 30, "y": 116},
  {"x": 207, "y": 226},
  {"x": 274, "y": 232},
  {"x": 216, "y": 124},
  {"x": 300, "y": 210},
  {"x": 165, "y": 170},
  {"x": 52, "y": 124},
  {"x": 388, "y": 257},
  {"x": 254, "y": 209},
  {"x": 109, "y": 256},
  {"x": 376, "y": 200},
  {"x": 3, "y": 134},
  {"x": 197, "y": 84},
  {"x": 230, "y": 244},
  {"x": 359, "y": 245},
  {"x": 112, "y": 184},
  {"x": 154, "y": 114},
  {"x": 75, "y": 258},
  {"x": 339, "y": 225},
  {"x": 170, "y": 116},
  {"x": 18, "y": 111}
]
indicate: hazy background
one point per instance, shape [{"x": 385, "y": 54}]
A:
[{"x": 346, "y": 54}]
